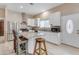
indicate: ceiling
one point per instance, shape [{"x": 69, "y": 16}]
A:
[{"x": 29, "y": 8}]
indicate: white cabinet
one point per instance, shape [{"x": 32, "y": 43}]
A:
[
  {"x": 70, "y": 38},
  {"x": 52, "y": 37},
  {"x": 55, "y": 18}
]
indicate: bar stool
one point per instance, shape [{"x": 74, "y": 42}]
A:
[
  {"x": 20, "y": 44},
  {"x": 15, "y": 39},
  {"x": 40, "y": 47}
]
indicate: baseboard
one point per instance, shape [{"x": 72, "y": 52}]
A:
[
  {"x": 70, "y": 45},
  {"x": 52, "y": 43}
]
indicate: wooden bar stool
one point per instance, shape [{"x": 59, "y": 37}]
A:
[
  {"x": 20, "y": 44},
  {"x": 15, "y": 39},
  {"x": 40, "y": 47}
]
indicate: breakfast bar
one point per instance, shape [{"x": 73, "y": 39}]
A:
[{"x": 48, "y": 36}]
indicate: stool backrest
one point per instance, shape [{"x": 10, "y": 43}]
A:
[
  {"x": 15, "y": 38},
  {"x": 14, "y": 34}
]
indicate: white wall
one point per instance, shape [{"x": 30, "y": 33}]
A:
[
  {"x": 70, "y": 39},
  {"x": 11, "y": 16}
]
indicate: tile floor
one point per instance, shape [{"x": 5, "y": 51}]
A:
[{"x": 7, "y": 49}]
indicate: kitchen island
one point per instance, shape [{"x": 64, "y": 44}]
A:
[{"x": 51, "y": 37}]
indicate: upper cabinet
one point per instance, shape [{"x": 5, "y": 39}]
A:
[{"x": 55, "y": 19}]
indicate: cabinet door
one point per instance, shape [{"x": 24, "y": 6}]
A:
[
  {"x": 55, "y": 19},
  {"x": 1, "y": 28}
]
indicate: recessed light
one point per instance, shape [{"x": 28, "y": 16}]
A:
[
  {"x": 21, "y": 7},
  {"x": 45, "y": 13}
]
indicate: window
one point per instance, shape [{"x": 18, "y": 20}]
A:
[
  {"x": 30, "y": 22},
  {"x": 43, "y": 23}
]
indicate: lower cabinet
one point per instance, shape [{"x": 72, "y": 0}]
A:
[{"x": 52, "y": 37}]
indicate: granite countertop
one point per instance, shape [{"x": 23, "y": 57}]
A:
[{"x": 32, "y": 35}]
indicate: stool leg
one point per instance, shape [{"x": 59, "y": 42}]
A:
[
  {"x": 39, "y": 48},
  {"x": 35, "y": 48},
  {"x": 45, "y": 47},
  {"x": 27, "y": 47}
]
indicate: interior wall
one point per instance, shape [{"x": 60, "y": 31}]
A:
[
  {"x": 2, "y": 13},
  {"x": 11, "y": 16}
]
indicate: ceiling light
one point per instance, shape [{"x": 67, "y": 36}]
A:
[
  {"x": 21, "y": 7},
  {"x": 46, "y": 13}
]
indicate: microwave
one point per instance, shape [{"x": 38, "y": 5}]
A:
[{"x": 55, "y": 29}]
